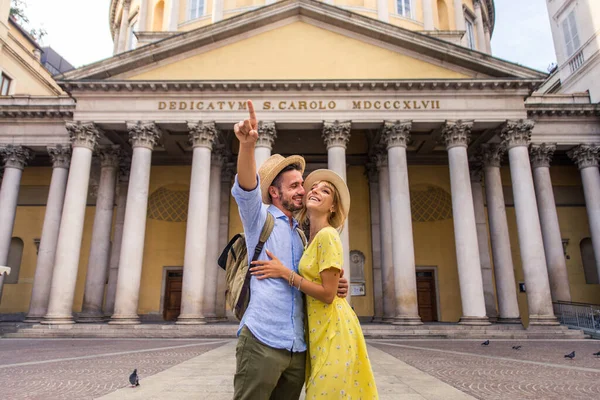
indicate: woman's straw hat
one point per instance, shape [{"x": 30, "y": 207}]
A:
[
  {"x": 337, "y": 181},
  {"x": 271, "y": 168}
]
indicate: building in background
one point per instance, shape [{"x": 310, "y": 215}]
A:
[
  {"x": 54, "y": 62},
  {"x": 402, "y": 98}
]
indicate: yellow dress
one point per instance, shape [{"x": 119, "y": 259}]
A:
[{"x": 338, "y": 365}]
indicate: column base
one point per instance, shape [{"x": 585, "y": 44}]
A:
[
  {"x": 91, "y": 318},
  {"x": 191, "y": 320},
  {"x": 57, "y": 320},
  {"x": 34, "y": 319},
  {"x": 509, "y": 320},
  {"x": 407, "y": 321},
  {"x": 125, "y": 320},
  {"x": 474, "y": 321},
  {"x": 377, "y": 320},
  {"x": 543, "y": 320}
]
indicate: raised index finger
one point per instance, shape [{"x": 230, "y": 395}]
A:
[{"x": 252, "y": 112}]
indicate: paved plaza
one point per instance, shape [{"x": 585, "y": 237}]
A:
[{"x": 203, "y": 369}]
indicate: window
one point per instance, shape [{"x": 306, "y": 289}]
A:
[
  {"x": 404, "y": 8},
  {"x": 196, "y": 8},
  {"x": 470, "y": 34},
  {"x": 15, "y": 253},
  {"x": 570, "y": 32},
  {"x": 132, "y": 38},
  {"x": 5, "y": 82}
]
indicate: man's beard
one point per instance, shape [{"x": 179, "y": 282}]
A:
[{"x": 288, "y": 204}]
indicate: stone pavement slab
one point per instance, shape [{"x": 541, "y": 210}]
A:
[{"x": 210, "y": 376}]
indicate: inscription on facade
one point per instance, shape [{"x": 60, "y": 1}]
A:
[{"x": 301, "y": 105}]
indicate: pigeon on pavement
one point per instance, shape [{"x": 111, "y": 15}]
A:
[
  {"x": 516, "y": 347},
  {"x": 134, "y": 379},
  {"x": 597, "y": 354},
  {"x": 487, "y": 342},
  {"x": 571, "y": 355}
]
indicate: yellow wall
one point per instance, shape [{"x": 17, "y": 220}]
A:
[{"x": 299, "y": 51}]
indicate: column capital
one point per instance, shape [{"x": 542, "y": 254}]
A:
[
  {"x": 396, "y": 133},
  {"x": 227, "y": 172},
  {"x": 336, "y": 133},
  {"x": 516, "y": 133},
  {"x": 124, "y": 166},
  {"x": 109, "y": 156},
  {"x": 60, "y": 156},
  {"x": 267, "y": 133},
  {"x": 585, "y": 155},
  {"x": 456, "y": 133},
  {"x": 202, "y": 134},
  {"x": 476, "y": 172},
  {"x": 143, "y": 134},
  {"x": 218, "y": 156},
  {"x": 371, "y": 172},
  {"x": 379, "y": 160},
  {"x": 15, "y": 156},
  {"x": 83, "y": 134},
  {"x": 491, "y": 154},
  {"x": 541, "y": 154}
]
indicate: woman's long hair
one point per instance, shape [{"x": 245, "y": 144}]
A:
[{"x": 335, "y": 219}]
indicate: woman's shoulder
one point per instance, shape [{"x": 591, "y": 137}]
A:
[{"x": 328, "y": 233}]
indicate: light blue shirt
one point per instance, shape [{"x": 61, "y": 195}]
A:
[{"x": 275, "y": 314}]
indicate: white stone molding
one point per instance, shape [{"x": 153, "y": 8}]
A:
[
  {"x": 396, "y": 133},
  {"x": 541, "y": 154},
  {"x": 516, "y": 133},
  {"x": 491, "y": 154},
  {"x": 143, "y": 134},
  {"x": 457, "y": 133},
  {"x": 15, "y": 156},
  {"x": 83, "y": 134},
  {"x": 336, "y": 133},
  {"x": 267, "y": 133},
  {"x": 60, "y": 156},
  {"x": 202, "y": 134},
  {"x": 585, "y": 155}
]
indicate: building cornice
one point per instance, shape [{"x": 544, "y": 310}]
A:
[
  {"x": 562, "y": 110},
  {"x": 337, "y": 17},
  {"x": 37, "y": 107},
  {"x": 472, "y": 85}
]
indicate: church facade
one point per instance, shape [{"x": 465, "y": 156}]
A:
[{"x": 473, "y": 195}]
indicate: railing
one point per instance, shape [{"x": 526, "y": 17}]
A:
[
  {"x": 578, "y": 315},
  {"x": 576, "y": 62}
]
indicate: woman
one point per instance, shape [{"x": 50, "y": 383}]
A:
[{"x": 338, "y": 365}]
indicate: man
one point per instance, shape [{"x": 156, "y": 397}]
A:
[{"x": 271, "y": 350}]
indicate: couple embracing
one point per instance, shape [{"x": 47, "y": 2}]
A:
[{"x": 276, "y": 353}]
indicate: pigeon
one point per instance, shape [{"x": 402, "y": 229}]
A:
[
  {"x": 485, "y": 343},
  {"x": 571, "y": 355},
  {"x": 516, "y": 347},
  {"x": 134, "y": 379},
  {"x": 597, "y": 354}
]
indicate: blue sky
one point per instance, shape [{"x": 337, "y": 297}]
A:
[{"x": 78, "y": 30}]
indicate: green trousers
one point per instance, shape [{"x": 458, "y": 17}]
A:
[{"x": 265, "y": 373}]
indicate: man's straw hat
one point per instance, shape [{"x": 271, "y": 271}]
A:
[
  {"x": 271, "y": 168},
  {"x": 337, "y": 181}
]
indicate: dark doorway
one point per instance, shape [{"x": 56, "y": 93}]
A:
[
  {"x": 172, "y": 305},
  {"x": 426, "y": 295}
]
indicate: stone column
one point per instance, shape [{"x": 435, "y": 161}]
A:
[
  {"x": 481, "y": 44},
  {"x": 174, "y": 16},
  {"x": 143, "y": 137},
  {"x": 383, "y": 13},
  {"x": 487, "y": 274},
  {"x": 427, "y": 15},
  {"x": 217, "y": 10},
  {"x": 115, "y": 251},
  {"x": 488, "y": 40},
  {"x": 123, "y": 35},
  {"x": 64, "y": 276},
  {"x": 227, "y": 173},
  {"x": 516, "y": 136},
  {"x": 541, "y": 155},
  {"x": 61, "y": 157},
  {"x": 213, "y": 250},
  {"x": 116, "y": 40},
  {"x": 15, "y": 158},
  {"x": 586, "y": 157},
  {"x": 456, "y": 136},
  {"x": 143, "y": 18},
  {"x": 396, "y": 135},
  {"x": 193, "y": 295},
  {"x": 506, "y": 287},
  {"x": 336, "y": 136},
  {"x": 97, "y": 269},
  {"x": 459, "y": 20},
  {"x": 387, "y": 260},
  {"x": 266, "y": 136},
  {"x": 372, "y": 175}
]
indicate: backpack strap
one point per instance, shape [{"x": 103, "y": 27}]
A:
[
  {"x": 264, "y": 235},
  {"x": 302, "y": 236}
]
